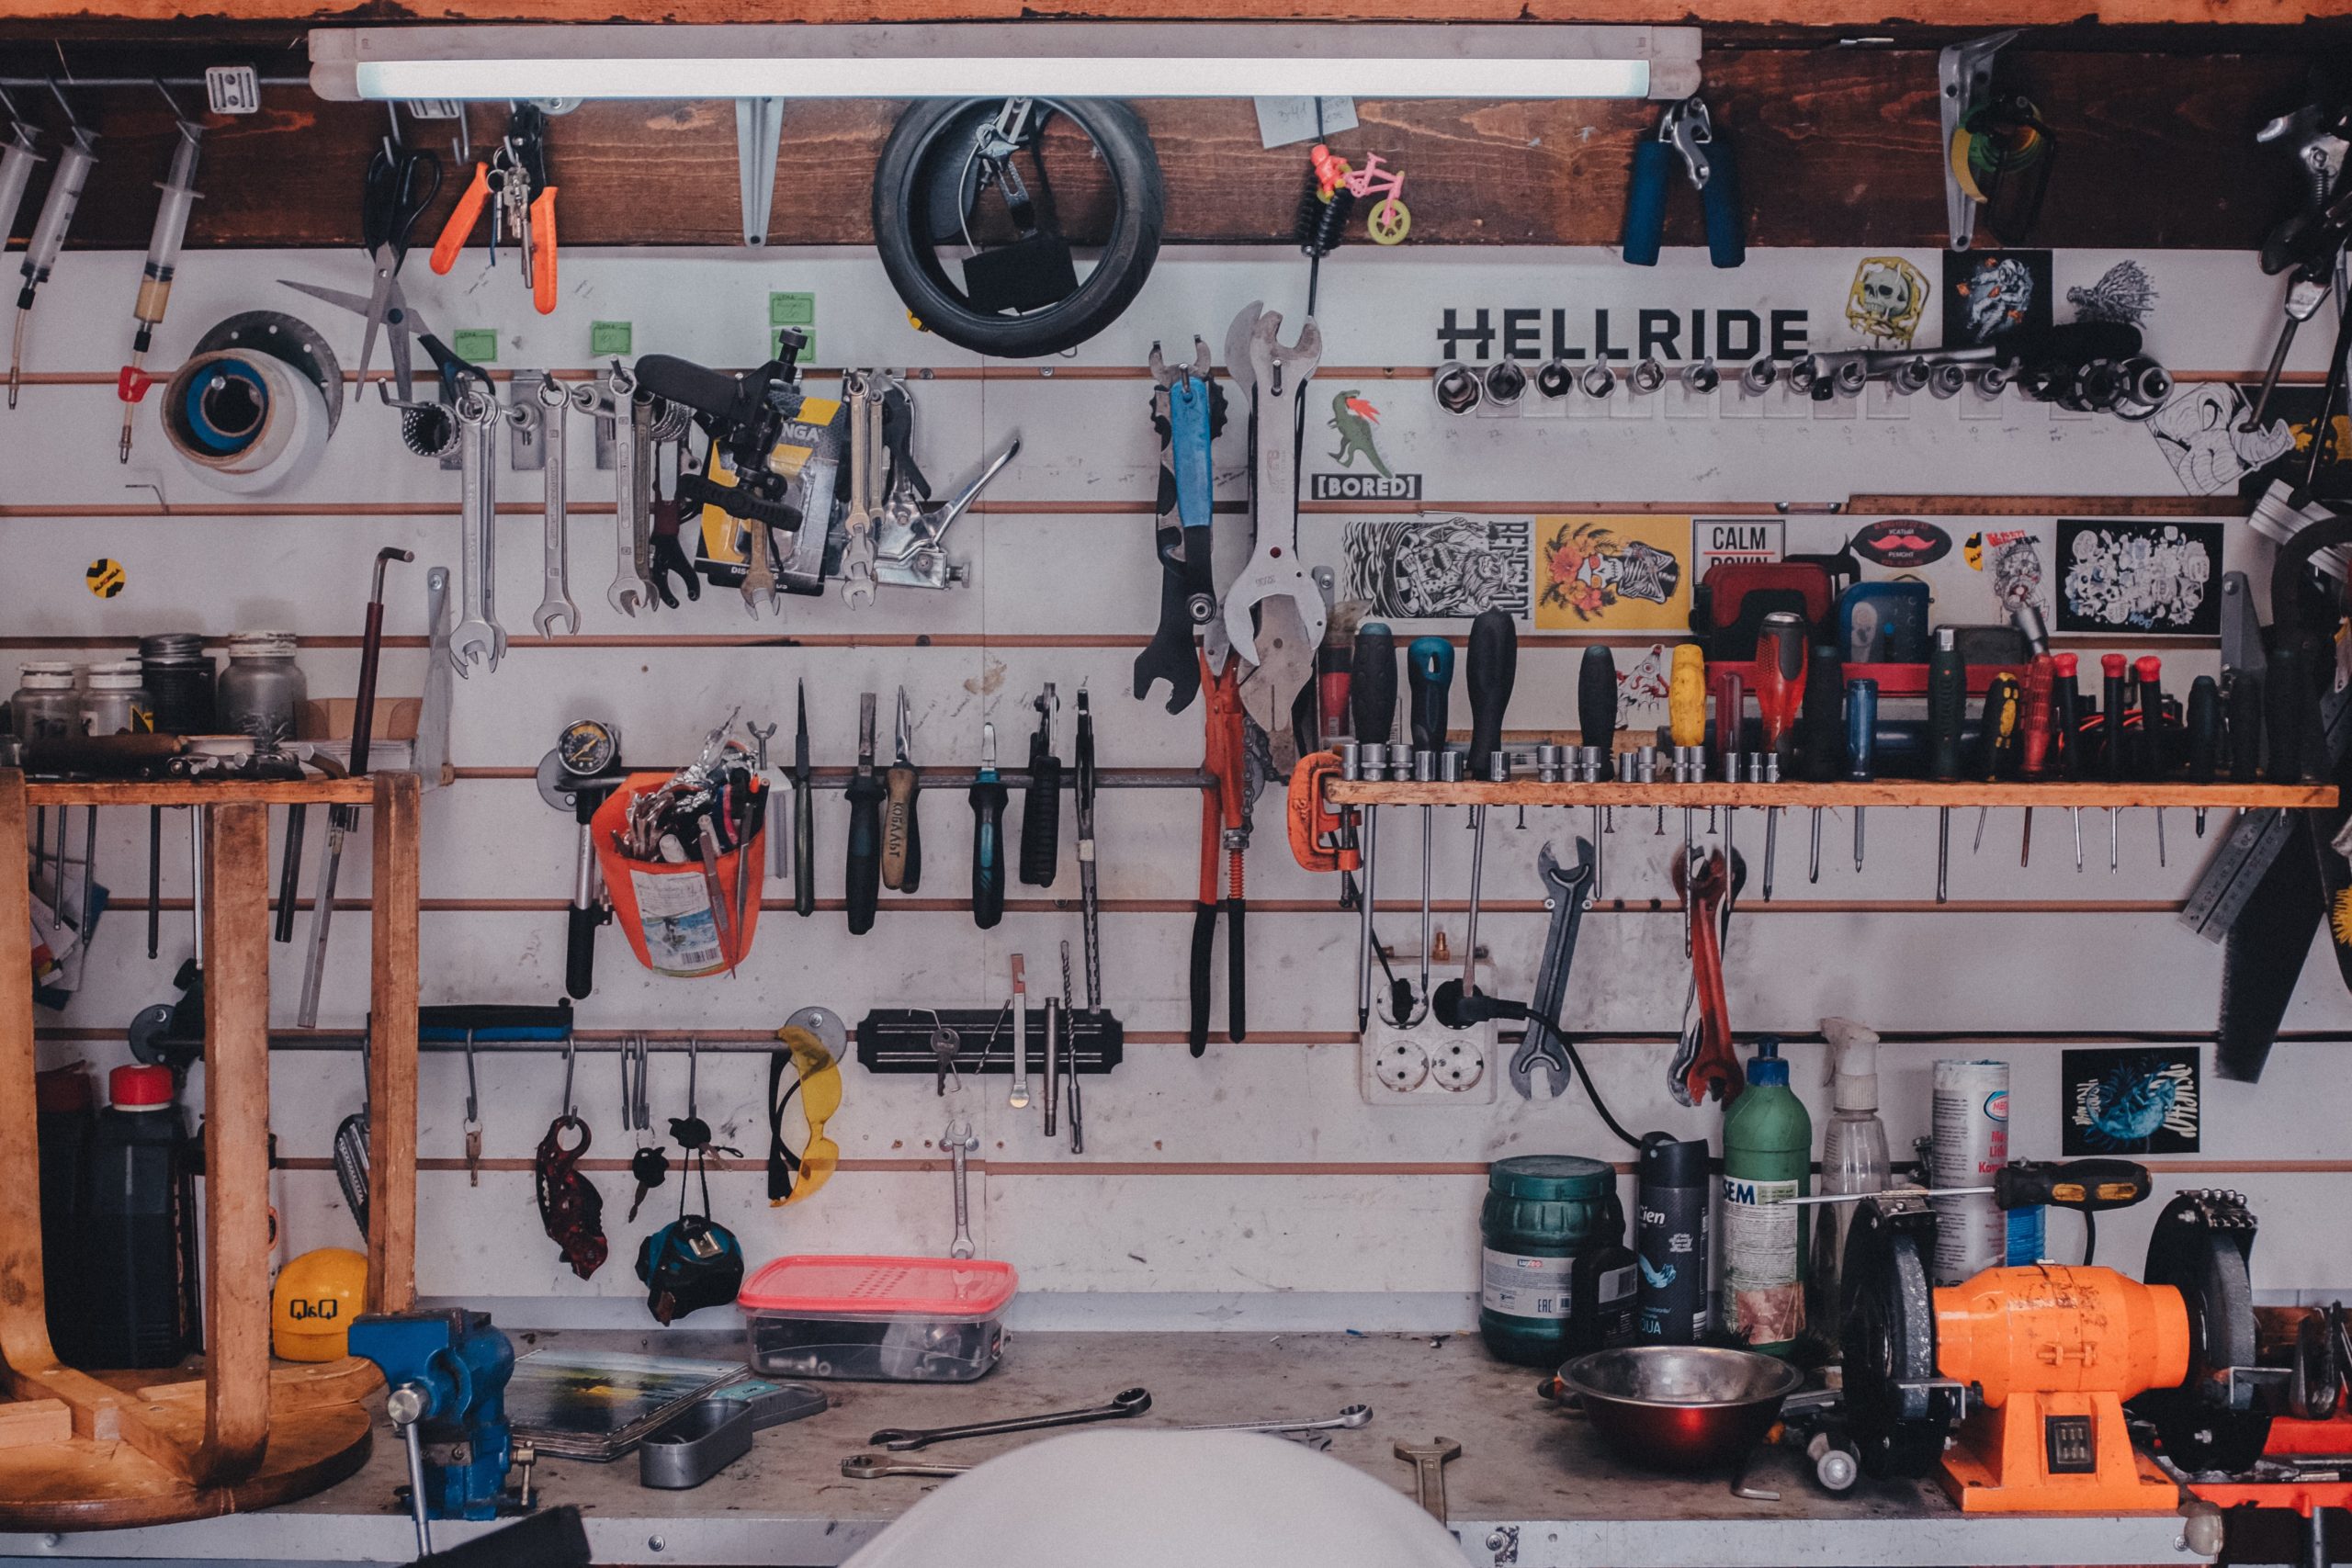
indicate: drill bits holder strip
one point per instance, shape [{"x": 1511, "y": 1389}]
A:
[{"x": 904, "y": 1039}]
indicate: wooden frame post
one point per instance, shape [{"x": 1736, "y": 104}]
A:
[{"x": 392, "y": 1057}]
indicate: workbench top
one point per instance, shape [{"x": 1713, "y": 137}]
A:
[{"x": 1532, "y": 1489}]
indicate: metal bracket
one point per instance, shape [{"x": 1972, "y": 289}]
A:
[
  {"x": 1965, "y": 73},
  {"x": 759, "y": 135}
]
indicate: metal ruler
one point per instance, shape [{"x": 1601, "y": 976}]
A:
[{"x": 2254, "y": 840}]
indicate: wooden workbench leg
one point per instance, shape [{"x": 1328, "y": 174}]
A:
[
  {"x": 24, "y": 1310},
  {"x": 236, "y": 1147},
  {"x": 392, "y": 1057}
]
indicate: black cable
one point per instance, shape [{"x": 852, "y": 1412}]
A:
[{"x": 1585, "y": 1073}]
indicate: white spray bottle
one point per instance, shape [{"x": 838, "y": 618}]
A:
[{"x": 1853, "y": 1158}]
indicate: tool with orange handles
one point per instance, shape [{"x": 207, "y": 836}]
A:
[
  {"x": 1704, "y": 1065},
  {"x": 515, "y": 181},
  {"x": 1225, "y": 836},
  {"x": 2025, "y": 1371}
]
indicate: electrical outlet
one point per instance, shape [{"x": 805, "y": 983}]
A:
[{"x": 1427, "y": 1063}]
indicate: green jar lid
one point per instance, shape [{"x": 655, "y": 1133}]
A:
[{"x": 1554, "y": 1178}]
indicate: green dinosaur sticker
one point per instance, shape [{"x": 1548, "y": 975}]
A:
[
  {"x": 792, "y": 309},
  {"x": 610, "y": 337},
  {"x": 1356, "y": 420},
  {"x": 476, "y": 345}
]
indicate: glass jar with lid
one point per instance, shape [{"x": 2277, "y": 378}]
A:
[
  {"x": 179, "y": 675},
  {"x": 47, "y": 702},
  {"x": 115, "y": 701},
  {"x": 261, "y": 692}
]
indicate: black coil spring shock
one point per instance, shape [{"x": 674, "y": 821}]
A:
[{"x": 1322, "y": 222}]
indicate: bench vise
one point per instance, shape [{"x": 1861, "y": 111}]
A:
[{"x": 444, "y": 1376}]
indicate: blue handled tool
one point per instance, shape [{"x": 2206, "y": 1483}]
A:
[{"x": 1686, "y": 132}]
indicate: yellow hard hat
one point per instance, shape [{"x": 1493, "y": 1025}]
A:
[{"x": 316, "y": 1297}]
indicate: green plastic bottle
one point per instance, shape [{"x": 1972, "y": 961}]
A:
[{"x": 1768, "y": 1156}]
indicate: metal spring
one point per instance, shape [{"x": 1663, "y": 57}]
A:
[{"x": 1322, "y": 224}]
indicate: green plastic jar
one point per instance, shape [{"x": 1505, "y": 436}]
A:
[{"x": 1541, "y": 1212}]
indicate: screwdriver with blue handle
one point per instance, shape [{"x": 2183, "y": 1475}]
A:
[
  {"x": 1429, "y": 670},
  {"x": 1372, "y": 706},
  {"x": 987, "y": 798}
]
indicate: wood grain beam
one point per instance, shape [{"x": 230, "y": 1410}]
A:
[{"x": 1837, "y": 148}]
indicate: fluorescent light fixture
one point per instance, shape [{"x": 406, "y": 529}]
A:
[{"x": 1089, "y": 60}]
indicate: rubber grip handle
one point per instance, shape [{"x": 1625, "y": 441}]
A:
[
  {"x": 2034, "y": 728},
  {"x": 1204, "y": 939},
  {"x": 1780, "y": 677},
  {"x": 2282, "y": 684},
  {"x": 363, "y": 704},
  {"x": 1237, "y": 972},
  {"x": 461, "y": 222},
  {"x": 1998, "y": 730},
  {"x": 1654, "y": 165},
  {"x": 1040, "y": 816},
  {"x": 2204, "y": 719},
  {"x": 863, "y": 887},
  {"x": 2084, "y": 1185},
  {"x": 1947, "y": 706},
  {"x": 1821, "y": 723},
  {"x": 902, "y": 830},
  {"x": 1862, "y": 730},
  {"x": 2242, "y": 714},
  {"x": 2112, "y": 707},
  {"x": 1494, "y": 669},
  {"x": 804, "y": 849},
  {"x": 682, "y": 381},
  {"x": 1372, "y": 684},
  {"x": 1719, "y": 203},
  {"x": 1428, "y": 665},
  {"x": 289, "y": 876},
  {"x": 1686, "y": 699},
  {"x": 987, "y": 798},
  {"x": 2153, "y": 761},
  {"x": 1596, "y": 698},
  {"x": 2066, "y": 715},
  {"x": 580, "y": 951},
  {"x": 543, "y": 251}
]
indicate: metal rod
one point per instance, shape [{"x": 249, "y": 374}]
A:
[{"x": 119, "y": 82}]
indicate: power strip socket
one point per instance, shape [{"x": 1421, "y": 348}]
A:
[{"x": 1427, "y": 1063}]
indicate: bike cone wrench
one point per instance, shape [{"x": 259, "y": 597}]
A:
[{"x": 1282, "y": 641}]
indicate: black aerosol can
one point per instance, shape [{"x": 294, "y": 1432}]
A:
[{"x": 1670, "y": 1236}]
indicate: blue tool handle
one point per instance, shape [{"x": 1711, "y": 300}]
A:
[
  {"x": 1719, "y": 201},
  {"x": 1861, "y": 730},
  {"x": 1654, "y": 166},
  {"x": 1188, "y": 425},
  {"x": 1429, "y": 666}
]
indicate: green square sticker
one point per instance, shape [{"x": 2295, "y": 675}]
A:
[
  {"x": 476, "y": 345},
  {"x": 610, "y": 337},
  {"x": 792, "y": 309},
  {"x": 808, "y": 346}
]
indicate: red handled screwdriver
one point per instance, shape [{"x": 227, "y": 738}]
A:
[
  {"x": 2066, "y": 702},
  {"x": 2149, "y": 669},
  {"x": 2040, "y": 679}
]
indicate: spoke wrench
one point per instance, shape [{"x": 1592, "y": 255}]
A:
[
  {"x": 1566, "y": 895},
  {"x": 902, "y": 1440}
]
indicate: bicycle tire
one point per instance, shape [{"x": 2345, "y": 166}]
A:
[{"x": 904, "y": 218}]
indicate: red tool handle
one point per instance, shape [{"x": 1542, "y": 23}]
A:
[
  {"x": 461, "y": 222},
  {"x": 1713, "y": 1070},
  {"x": 1780, "y": 677},
  {"x": 2041, "y": 685},
  {"x": 543, "y": 251}
]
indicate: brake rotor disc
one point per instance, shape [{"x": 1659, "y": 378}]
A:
[
  {"x": 1887, "y": 1324},
  {"x": 2200, "y": 1247}
]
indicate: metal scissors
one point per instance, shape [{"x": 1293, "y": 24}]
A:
[
  {"x": 402, "y": 183},
  {"x": 389, "y": 308}
]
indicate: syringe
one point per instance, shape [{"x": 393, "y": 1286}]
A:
[
  {"x": 17, "y": 161},
  {"x": 75, "y": 159},
  {"x": 162, "y": 260}
]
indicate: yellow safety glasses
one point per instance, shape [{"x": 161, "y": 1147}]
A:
[{"x": 817, "y": 1083}]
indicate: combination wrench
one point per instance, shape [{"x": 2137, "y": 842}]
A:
[
  {"x": 478, "y": 638},
  {"x": 612, "y": 399},
  {"x": 1127, "y": 1404},
  {"x": 866, "y": 454},
  {"x": 556, "y": 607},
  {"x": 874, "y": 1467}
]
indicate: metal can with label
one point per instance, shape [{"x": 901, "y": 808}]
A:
[
  {"x": 1542, "y": 1213},
  {"x": 1970, "y": 1117}
]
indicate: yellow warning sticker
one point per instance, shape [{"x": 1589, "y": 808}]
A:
[{"x": 105, "y": 577}]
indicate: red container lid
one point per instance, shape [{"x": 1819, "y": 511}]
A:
[
  {"x": 132, "y": 1088},
  {"x": 909, "y": 1287}
]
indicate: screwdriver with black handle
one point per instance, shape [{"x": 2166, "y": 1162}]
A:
[
  {"x": 1821, "y": 733},
  {"x": 902, "y": 824},
  {"x": 2034, "y": 738},
  {"x": 1493, "y": 670},
  {"x": 987, "y": 798},
  {"x": 2066, "y": 725},
  {"x": 804, "y": 815},
  {"x": 2204, "y": 721},
  {"x": 1041, "y": 805},
  {"x": 862, "y": 884},
  {"x": 1597, "y": 717},
  {"x": 1429, "y": 671},
  {"x": 1371, "y": 706},
  {"x": 1946, "y": 705}
]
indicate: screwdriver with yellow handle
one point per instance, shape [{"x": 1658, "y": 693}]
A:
[
  {"x": 901, "y": 828},
  {"x": 1686, "y": 714}
]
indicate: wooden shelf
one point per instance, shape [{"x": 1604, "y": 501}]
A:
[
  {"x": 190, "y": 792},
  {"x": 1891, "y": 793}
]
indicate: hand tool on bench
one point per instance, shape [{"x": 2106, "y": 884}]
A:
[
  {"x": 162, "y": 260},
  {"x": 1225, "y": 839},
  {"x": 874, "y": 1467},
  {"x": 1779, "y": 692},
  {"x": 1861, "y": 745},
  {"x": 1189, "y": 409},
  {"x": 804, "y": 813},
  {"x": 1372, "y": 707},
  {"x": 1124, "y": 1405},
  {"x": 902, "y": 824},
  {"x": 2033, "y": 762},
  {"x": 1493, "y": 670},
  {"x": 2112, "y": 749},
  {"x": 2066, "y": 725},
  {"x": 1947, "y": 705},
  {"x": 987, "y": 798},
  {"x": 1566, "y": 896},
  {"x": 1281, "y": 642},
  {"x": 1429, "y": 673},
  {"x": 1999, "y": 737},
  {"x": 75, "y": 157},
  {"x": 556, "y": 607},
  {"x": 1089, "y": 892},
  {"x": 343, "y": 820},
  {"x": 1428, "y": 1461},
  {"x": 2155, "y": 763},
  {"x": 1041, "y": 802},
  {"x": 1596, "y": 725},
  {"x": 862, "y": 885}
]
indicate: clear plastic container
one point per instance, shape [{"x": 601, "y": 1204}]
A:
[
  {"x": 48, "y": 705},
  {"x": 877, "y": 1319}
]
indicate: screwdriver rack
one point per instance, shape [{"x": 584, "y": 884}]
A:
[{"x": 1887, "y": 792}]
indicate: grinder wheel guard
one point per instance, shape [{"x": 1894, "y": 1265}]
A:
[
  {"x": 979, "y": 242},
  {"x": 1887, "y": 1323},
  {"x": 2200, "y": 1247}
]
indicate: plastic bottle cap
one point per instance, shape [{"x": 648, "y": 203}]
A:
[
  {"x": 133, "y": 1087},
  {"x": 1673, "y": 1162},
  {"x": 122, "y": 677},
  {"x": 1766, "y": 1069},
  {"x": 50, "y": 676},
  {"x": 262, "y": 644},
  {"x": 1855, "y": 1053},
  {"x": 1550, "y": 1178}
]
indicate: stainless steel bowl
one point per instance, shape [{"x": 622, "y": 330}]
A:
[{"x": 1681, "y": 1406}]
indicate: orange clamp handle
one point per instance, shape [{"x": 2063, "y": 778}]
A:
[
  {"x": 543, "y": 251},
  {"x": 454, "y": 233}
]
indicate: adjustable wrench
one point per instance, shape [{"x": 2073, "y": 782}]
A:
[
  {"x": 1564, "y": 899},
  {"x": 478, "y": 638},
  {"x": 556, "y": 607},
  {"x": 1275, "y": 582},
  {"x": 866, "y": 452}
]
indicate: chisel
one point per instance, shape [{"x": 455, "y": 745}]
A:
[
  {"x": 987, "y": 798},
  {"x": 1428, "y": 670},
  {"x": 1947, "y": 703},
  {"x": 1597, "y": 718},
  {"x": 1822, "y": 733},
  {"x": 862, "y": 884},
  {"x": 1372, "y": 705}
]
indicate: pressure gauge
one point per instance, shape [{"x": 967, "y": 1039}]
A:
[{"x": 588, "y": 747}]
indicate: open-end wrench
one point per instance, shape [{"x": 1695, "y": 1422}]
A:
[
  {"x": 556, "y": 607},
  {"x": 1704, "y": 1065},
  {"x": 1428, "y": 1461},
  {"x": 1127, "y": 1404},
  {"x": 874, "y": 1467},
  {"x": 610, "y": 400},
  {"x": 1275, "y": 583},
  {"x": 1564, "y": 899},
  {"x": 477, "y": 639},
  {"x": 865, "y": 451},
  {"x": 1349, "y": 1417}
]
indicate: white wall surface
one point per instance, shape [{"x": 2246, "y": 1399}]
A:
[{"x": 1255, "y": 1186}]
